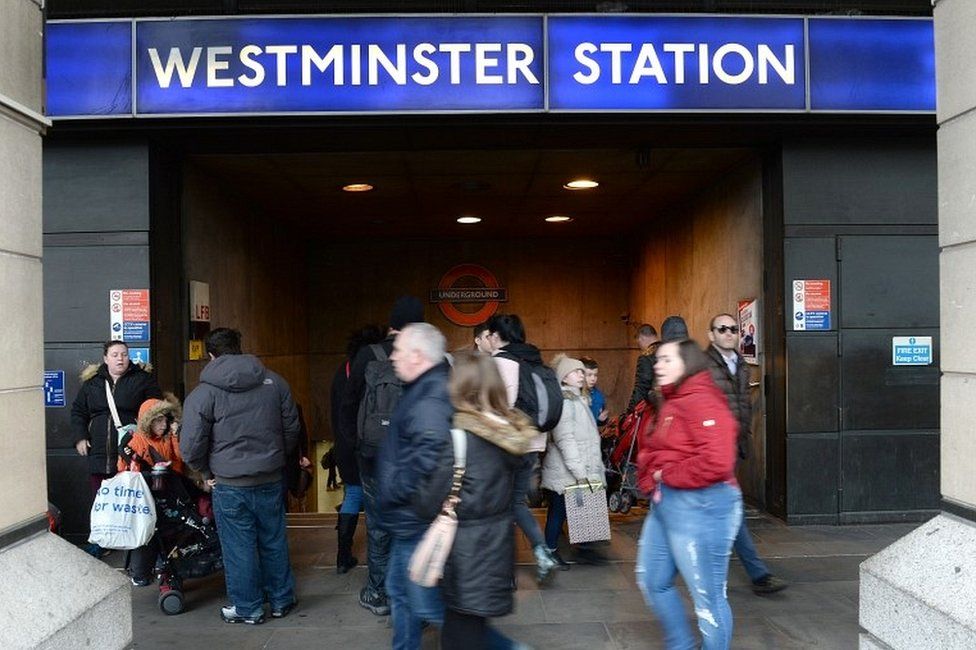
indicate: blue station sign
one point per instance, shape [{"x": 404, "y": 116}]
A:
[{"x": 446, "y": 64}]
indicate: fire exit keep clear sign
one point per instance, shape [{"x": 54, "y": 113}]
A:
[{"x": 911, "y": 350}]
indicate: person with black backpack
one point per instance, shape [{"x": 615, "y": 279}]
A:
[
  {"x": 533, "y": 389},
  {"x": 371, "y": 393}
]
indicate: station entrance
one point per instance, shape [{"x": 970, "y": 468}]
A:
[
  {"x": 297, "y": 261},
  {"x": 692, "y": 215}
]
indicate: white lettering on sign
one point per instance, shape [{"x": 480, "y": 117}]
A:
[
  {"x": 493, "y": 64},
  {"x": 731, "y": 63},
  {"x": 911, "y": 350}
]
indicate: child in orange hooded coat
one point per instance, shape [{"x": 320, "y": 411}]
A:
[{"x": 155, "y": 441}]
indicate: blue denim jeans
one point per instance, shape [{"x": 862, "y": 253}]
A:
[
  {"x": 377, "y": 539},
  {"x": 555, "y": 518},
  {"x": 520, "y": 507},
  {"x": 410, "y": 604},
  {"x": 691, "y": 532},
  {"x": 746, "y": 550},
  {"x": 251, "y": 525},
  {"x": 352, "y": 499}
]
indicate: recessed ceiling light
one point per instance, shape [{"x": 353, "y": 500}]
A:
[
  {"x": 581, "y": 184},
  {"x": 468, "y": 219},
  {"x": 558, "y": 218},
  {"x": 357, "y": 187}
]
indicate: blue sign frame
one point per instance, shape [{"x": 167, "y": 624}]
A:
[{"x": 335, "y": 65}]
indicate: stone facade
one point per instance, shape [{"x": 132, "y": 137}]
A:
[
  {"x": 52, "y": 595},
  {"x": 920, "y": 592}
]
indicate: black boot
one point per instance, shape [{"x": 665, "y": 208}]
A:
[{"x": 347, "y": 530}]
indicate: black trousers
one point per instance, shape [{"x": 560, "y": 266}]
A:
[{"x": 464, "y": 632}]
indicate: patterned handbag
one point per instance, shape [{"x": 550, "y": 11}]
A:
[
  {"x": 426, "y": 567},
  {"x": 586, "y": 512}
]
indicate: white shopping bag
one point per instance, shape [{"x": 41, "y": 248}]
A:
[{"x": 124, "y": 513}]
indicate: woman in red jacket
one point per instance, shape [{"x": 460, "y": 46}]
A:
[{"x": 687, "y": 465}]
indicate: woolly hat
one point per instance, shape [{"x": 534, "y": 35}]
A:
[
  {"x": 406, "y": 310},
  {"x": 673, "y": 329},
  {"x": 565, "y": 365}
]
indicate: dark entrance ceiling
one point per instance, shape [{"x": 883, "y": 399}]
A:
[{"x": 422, "y": 193}]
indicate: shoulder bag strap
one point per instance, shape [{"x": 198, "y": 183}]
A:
[
  {"x": 111, "y": 406},
  {"x": 459, "y": 437}
]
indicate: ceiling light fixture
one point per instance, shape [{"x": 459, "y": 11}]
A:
[
  {"x": 468, "y": 219},
  {"x": 581, "y": 184},
  {"x": 558, "y": 218},
  {"x": 357, "y": 187}
]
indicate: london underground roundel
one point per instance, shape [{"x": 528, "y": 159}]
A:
[{"x": 464, "y": 285}]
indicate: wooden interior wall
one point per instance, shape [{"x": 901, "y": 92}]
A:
[
  {"x": 702, "y": 261},
  {"x": 571, "y": 295},
  {"x": 258, "y": 280}
]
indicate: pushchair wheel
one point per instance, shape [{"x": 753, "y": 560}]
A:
[
  {"x": 171, "y": 602},
  {"x": 626, "y": 502},
  {"x": 614, "y": 502}
]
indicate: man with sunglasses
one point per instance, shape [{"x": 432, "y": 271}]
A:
[{"x": 731, "y": 374}]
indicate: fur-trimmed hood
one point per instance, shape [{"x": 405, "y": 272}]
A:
[
  {"x": 514, "y": 437},
  {"x": 153, "y": 408},
  {"x": 93, "y": 369}
]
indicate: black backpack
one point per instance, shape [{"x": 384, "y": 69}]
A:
[
  {"x": 383, "y": 390},
  {"x": 539, "y": 394}
]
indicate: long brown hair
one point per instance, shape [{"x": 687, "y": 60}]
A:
[
  {"x": 693, "y": 357},
  {"x": 476, "y": 385}
]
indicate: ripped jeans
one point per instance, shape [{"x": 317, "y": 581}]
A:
[{"x": 691, "y": 532}]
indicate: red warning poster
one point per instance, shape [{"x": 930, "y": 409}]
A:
[{"x": 129, "y": 311}]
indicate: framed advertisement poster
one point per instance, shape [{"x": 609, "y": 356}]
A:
[{"x": 749, "y": 336}]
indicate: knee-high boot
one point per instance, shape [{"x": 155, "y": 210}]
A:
[{"x": 345, "y": 560}]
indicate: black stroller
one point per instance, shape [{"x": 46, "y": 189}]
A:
[{"x": 186, "y": 536}]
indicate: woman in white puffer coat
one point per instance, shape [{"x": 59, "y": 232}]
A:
[{"x": 572, "y": 456}]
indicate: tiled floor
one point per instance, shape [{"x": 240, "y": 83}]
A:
[{"x": 588, "y": 608}]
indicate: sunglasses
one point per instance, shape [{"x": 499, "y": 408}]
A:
[{"x": 722, "y": 329}]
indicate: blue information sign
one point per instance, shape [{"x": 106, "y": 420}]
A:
[
  {"x": 672, "y": 63},
  {"x": 139, "y": 355},
  {"x": 135, "y": 331},
  {"x": 911, "y": 350},
  {"x": 498, "y": 63},
  {"x": 54, "y": 388}
]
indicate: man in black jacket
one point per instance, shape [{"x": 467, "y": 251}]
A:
[
  {"x": 648, "y": 342},
  {"x": 239, "y": 425},
  {"x": 406, "y": 309},
  {"x": 409, "y": 467},
  {"x": 731, "y": 375}
]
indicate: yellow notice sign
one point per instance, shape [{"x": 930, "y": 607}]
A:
[{"x": 196, "y": 350}]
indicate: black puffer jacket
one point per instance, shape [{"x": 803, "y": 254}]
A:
[
  {"x": 345, "y": 446},
  {"x": 478, "y": 575},
  {"x": 736, "y": 389},
  {"x": 643, "y": 377},
  {"x": 91, "y": 418}
]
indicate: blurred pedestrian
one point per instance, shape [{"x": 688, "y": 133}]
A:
[
  {"x": 687, "y": 465},
  {"x": 477, "y": 583}
]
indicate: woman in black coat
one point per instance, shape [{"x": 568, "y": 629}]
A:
[
  {"x": 344, "y": 452},
  {"x": 477, "y": 583},
  {"x": 92, "y": 426}
]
